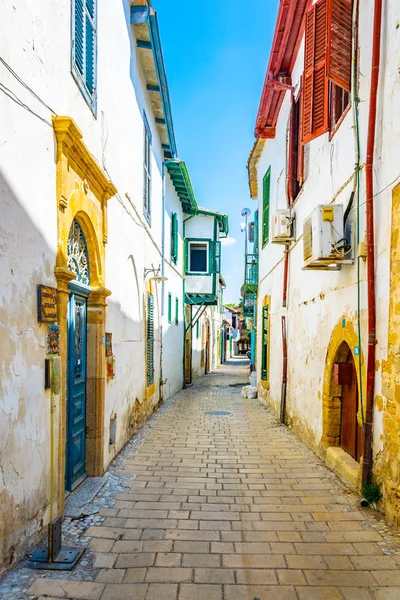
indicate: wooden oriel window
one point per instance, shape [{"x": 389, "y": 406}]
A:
[{"x": 327, "y": 65}]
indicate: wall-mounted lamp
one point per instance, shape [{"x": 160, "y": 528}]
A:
[{"x": 156, "y": 277}]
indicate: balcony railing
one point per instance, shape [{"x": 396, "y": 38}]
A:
[
  {"x": 251, "y": 270},
  {"x": 249, "y": 303}
]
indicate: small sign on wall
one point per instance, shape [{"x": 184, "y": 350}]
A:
[
  {"x": 53, "y": 339},
  {"x": 47, "y": 304},
  {"x": 109, "y": 344}
]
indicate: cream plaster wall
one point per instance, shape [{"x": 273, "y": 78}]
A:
[{"x": 317, "y": 301}]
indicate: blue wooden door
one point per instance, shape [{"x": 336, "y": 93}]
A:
[{"x": 76, "y": 392}]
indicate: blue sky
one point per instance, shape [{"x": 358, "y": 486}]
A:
[{"x": 216, "y": 54}]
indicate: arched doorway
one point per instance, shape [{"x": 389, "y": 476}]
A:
[
  {"x": 343, "y": 377},
  {"x": 351, "y": 432},
  {"x": 78, "y": 264}
]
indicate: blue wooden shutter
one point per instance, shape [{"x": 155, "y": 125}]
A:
[
  {"x": 150, "y": 339},
  {"x": 90, "y": 73},
  {"x": 79, "y": 37},
  {"x": 84, "y": 48},
  {"x": 216, "y": 257}
]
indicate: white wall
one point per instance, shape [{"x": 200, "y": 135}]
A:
[{"x": 36, "y": 44}]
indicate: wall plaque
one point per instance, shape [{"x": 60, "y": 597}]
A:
[
  {"x": 53, "y": 339},
  {"x": 47, "y": 304}
]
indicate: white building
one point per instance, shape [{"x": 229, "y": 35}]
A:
[
  {"x": 91, "y": 208},
  {"x": 313, "y": 128}
]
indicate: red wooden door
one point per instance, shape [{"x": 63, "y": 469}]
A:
[{"x": 351, "y": 434}]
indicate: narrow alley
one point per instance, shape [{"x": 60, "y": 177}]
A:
[{"x": 221, "y": 503}]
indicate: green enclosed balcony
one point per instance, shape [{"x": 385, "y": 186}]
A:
[
  {"x": 249, "y": 305},
  {"x": 251, "y": 270}
]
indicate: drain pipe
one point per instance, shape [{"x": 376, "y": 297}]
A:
[
  {"x": 369, "y": 168},
  {"x": 284, "y": 370}
]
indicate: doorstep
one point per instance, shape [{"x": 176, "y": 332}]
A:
[{"x": 348, "y": 469}]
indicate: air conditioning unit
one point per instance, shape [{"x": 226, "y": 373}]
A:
[
  {"x": 282, "y": 227},
  {"x": 325, "y": 244}
]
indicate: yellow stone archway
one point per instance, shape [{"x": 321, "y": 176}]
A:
[
  {"x": 83, "y": 190},
  {"x": 344, "y": 338}
]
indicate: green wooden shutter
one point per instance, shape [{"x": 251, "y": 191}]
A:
[
  {"x": 176, "y": 311},
  {"x": 216, "y": 257},
  {"x": 174, "y": 238},
  {"x": 266, "y": 201},
  {"x": 265, "y": 342},
  {"x": 197, "y": 329},
  {"x": 169, "y": 308},
  {"x": 255, "y": 246},
  {"x": 186, "y": 259},
  {"x": 150, "y": 339}
]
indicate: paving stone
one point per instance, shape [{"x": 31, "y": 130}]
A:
[
  {"x": 319, "y": 593},
  {"x": 201, "y": 560},
  {"x": 248, "y": 592},
  {"x": 167, "y": 575},
  {"x": 61, "y": 588},
  {"x": 124, "y": 591},
  {"x": 200, "y": 592},
  {"x": 110, "y": 575},
  {"x": 162, "y": 591}
]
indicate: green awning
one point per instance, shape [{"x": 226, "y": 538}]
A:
[
  {"x": 198, "y": 299},
  {"x": 179, "y": 174}
]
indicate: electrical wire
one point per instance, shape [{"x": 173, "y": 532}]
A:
[{"x": 26, "y": 86}]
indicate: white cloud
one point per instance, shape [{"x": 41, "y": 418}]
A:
[{"x": 229, "y": 241}]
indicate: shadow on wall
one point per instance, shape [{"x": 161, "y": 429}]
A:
[{"x": 27, "y": 259}]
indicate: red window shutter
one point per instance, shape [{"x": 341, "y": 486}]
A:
[
  {"x": 315, "y": 107},
  {"x": 300, "y": 157},
  {"x": 291, "y": 155},
  {"x": 339, "y": 42}
]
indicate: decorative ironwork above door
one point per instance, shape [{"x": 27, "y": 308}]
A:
[{"x": 77, "y": 254}]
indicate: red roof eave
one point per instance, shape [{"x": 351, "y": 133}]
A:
[{"x": 288, "y": 34}]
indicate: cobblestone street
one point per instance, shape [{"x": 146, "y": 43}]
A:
[{"x": 227, "y": 506}]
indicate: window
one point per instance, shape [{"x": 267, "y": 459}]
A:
[
  {"x": 265, "y": 344},
  {"x": 198, "y": 257},
  {"x": 327, "y": 58},
  {"x": 146, "y": 170},
  {"x": 176, "y": 311},
  {"x": 169, "y": 308},
  {"x": 266, "y": 197},
  {"x": 84, "y": 48},
  {"x": 150, "y": 339},
  {"x": 174, "y": 238},
  {"x": 296, "y": 150},
  {"x": 339, "y": 100}
]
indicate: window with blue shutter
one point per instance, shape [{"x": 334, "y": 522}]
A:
[
  {"x": 146, "y": 170},
  {"x": 169, "y": 308},
  {"x": 150, "y": 339},
  {"x": 174, "y": 238},
  {"x": 84, "y": 48}
]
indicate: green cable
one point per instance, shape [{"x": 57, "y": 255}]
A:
[{"x": 357, "y": 176}]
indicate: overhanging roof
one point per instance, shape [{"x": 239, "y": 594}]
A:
[
  {"x": 222, "y": 219},
  {"x": 254, "y": 157},
  {"x": 198, "y": 299},
  {"x": 144, "y": 20},
  {"x": 285, "y": 45},
  {"x": 179, "y": 174}
]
